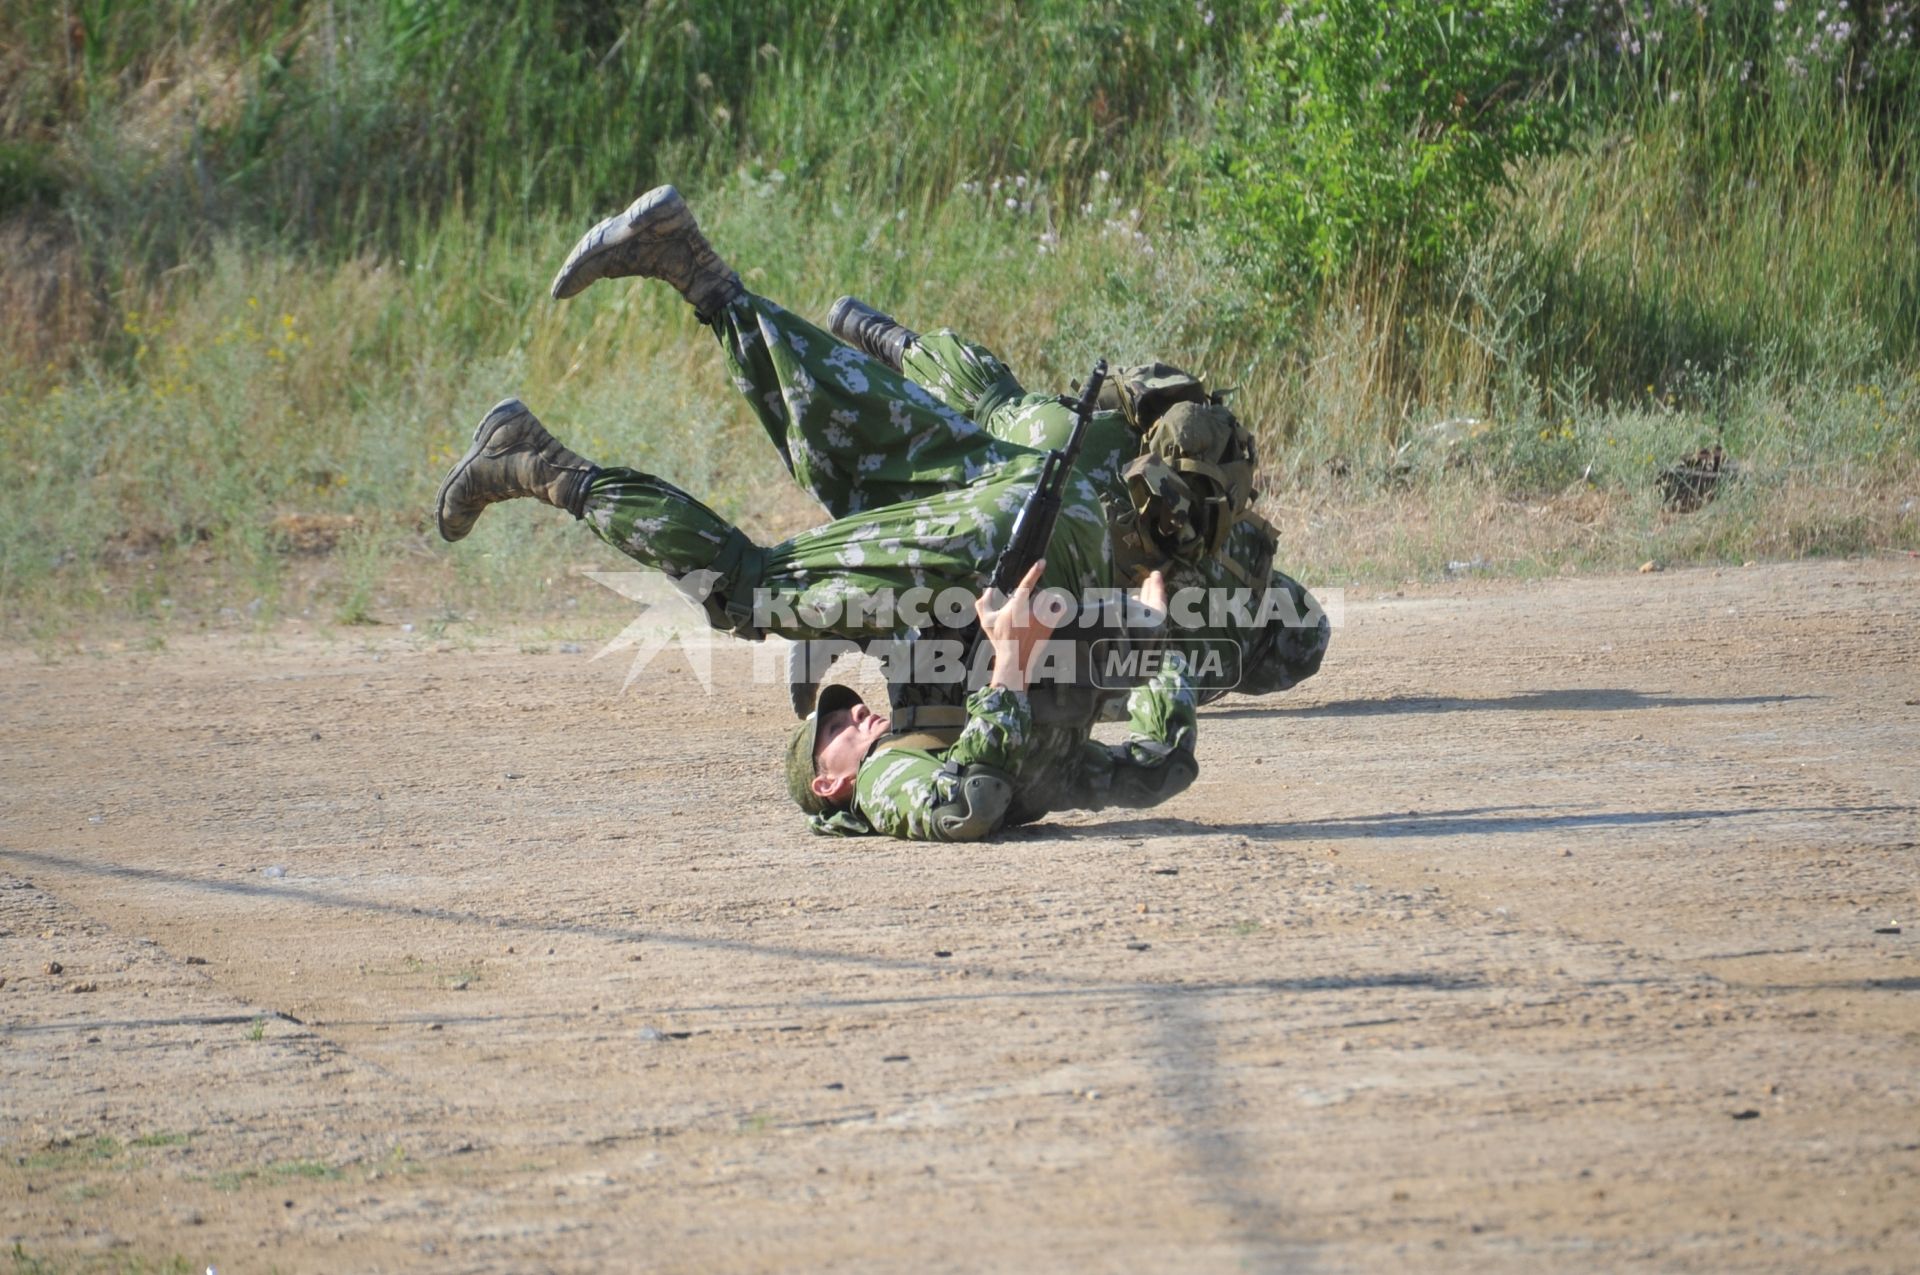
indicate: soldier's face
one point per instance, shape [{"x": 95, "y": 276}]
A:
[{"x": 846, "y": 736}]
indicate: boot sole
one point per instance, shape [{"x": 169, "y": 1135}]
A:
[
  {"x": 503, "y": 411},
  {"x": 651, "y": 211}
]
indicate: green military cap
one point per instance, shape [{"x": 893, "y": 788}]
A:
[{"x": 806, "y": 737}]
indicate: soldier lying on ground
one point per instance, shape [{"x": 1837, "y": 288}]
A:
[
  {"x": 855, "y": 772},
  {"x": 923, "y": 494}
]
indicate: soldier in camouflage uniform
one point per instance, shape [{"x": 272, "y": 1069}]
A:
[
  {"x": 924, "y": 498},
  {"x": 855, "y": 772},
  {"x": 1174, "y": 473}
]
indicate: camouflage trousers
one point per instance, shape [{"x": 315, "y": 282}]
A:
[
  {"x": 923, "y": 494},
  {"x": 923, "y": 473}
]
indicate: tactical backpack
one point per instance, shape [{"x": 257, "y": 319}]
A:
[{"x": 1192, "y": 481}]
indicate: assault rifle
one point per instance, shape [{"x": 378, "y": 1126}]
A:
[{"x": 1033, "y": 525}]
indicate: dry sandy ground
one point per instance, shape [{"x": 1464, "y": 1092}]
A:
[{"x": 1549, "y": 929}]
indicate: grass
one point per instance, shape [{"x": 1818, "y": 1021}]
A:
[
  {"x": 162, "y": 1138},
  {"x": 72, "y": 1155},
  {"x": 277, "y": 1172},
  {"x": 26, "y": 1263},
  {"x": 229, "y": 406}
]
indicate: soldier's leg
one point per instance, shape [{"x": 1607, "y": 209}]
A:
[
  {"x": 865, "y": 328},
  {"x": 869, "y": 575},
  {"x": 512, "y": 457},
  {"x": 655, "y": 237},
  {"x": 651, "y": 521},
  {"x": 973, "y": 380},
  {"x": 1289, "y": 649},
  {"x": 969, "y": 378},
  {"x": 660, "y": 526},
  {"x": 873, "y": 575},
  {"x": 1044, "y": 422},
  {"x": 854, "y": 578},
  {"x": 1145, "y": 775},
  {"x": 854, "y": 432},
  {"x": 806, "y": 589}
]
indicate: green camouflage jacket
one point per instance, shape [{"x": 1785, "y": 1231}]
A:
[{"x": 1053, "y": 768}]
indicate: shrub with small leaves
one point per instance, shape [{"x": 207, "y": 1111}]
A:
[{"x": 1370, "y": 126}]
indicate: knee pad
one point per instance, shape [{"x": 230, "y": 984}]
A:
[{"x": 978, "y": 805}]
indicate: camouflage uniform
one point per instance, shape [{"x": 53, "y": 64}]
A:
[
  {"x": 1053, "y": 768},
  {"x": 923, "y": 496},
  {"x": 934, "y": 463},
  {"x": 971, "y": 379}
]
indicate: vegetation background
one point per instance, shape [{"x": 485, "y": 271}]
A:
[{"x": 1480, "y": 272}]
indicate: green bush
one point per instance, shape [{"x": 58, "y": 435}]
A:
[
  {"x": 1370, "y": 128},
  {"x": 27, "y": 176}
]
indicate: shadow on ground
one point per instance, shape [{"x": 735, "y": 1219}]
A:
[
  {"x": 1478, "y": 821},
  {"x": 1596, "y": 699}
]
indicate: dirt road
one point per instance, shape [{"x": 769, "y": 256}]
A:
[{"x": 1551, "y": 928}]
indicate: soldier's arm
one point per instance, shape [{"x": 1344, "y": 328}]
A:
[
  {"x": 964, "y": 793},
  {"x": 1161, "y": 714},
  {"x": 959, "y": 794},
  {"x": 1161, "y": 717},
  {"x": 1154, "y": 763}
]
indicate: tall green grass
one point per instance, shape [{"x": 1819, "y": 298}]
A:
[
  {"x": 358, "y": 123},
  {"x": 274, "y": 260}
]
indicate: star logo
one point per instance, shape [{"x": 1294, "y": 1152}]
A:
[{"x": 670, "y": 615}]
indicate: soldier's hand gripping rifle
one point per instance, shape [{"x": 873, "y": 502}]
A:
[{"x": 1033, "y": 525}]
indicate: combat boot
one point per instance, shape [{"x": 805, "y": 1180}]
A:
[
  {"x": 655, "y": 238},
  {"x": 512, "y": 455},
  {"x": 865, "y": 328}
]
